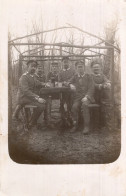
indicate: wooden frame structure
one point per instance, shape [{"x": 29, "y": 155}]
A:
[{"x": 60, "y": 47}]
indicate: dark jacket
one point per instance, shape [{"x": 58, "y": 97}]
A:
[
  {"x": 84, "y": 86},
  {"x": 65, "y": 75},
  {"x": 51, "y": 76},
  {"x": 41, "y": 79}
]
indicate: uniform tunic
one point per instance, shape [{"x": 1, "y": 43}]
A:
[
  {"x": 27, "y": 88},
  {"x": 66, "y": 74},
  {"x": 53, "y": 76},
  {"x": 100, "y": 93},
  {"x": 84, "y": 87}
]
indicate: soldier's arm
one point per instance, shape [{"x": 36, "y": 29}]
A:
[
  {"x": 39, "y": 84},
  {"x": 48, "y": 77},
  {"x": 60, "y": 77},
  {"x": 23, "y": 83}
]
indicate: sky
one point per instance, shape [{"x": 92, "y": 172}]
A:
[{"x": 89, "y": 15}]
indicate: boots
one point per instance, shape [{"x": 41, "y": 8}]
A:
[
  {"x": 86, "y": 130},
  {"x": 16, "y": 112},
  {"x": 75, "y": 126}
]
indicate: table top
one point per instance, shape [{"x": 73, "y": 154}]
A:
[{"x": 54, "y": 90}]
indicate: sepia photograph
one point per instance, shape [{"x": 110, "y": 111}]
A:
[{"x": 64, "y": 82}]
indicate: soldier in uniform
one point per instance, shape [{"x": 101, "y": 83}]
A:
[
  {"x": 26, "y": 93},
  {"x": 40, "y": 76},
  {"x": 102, "y": 84},
  {"x": 64, "y": 76},
  {"x": 52, "y": 76},
  {"x": 83, "y": 86},
  {"x": 102, "y": 92}
]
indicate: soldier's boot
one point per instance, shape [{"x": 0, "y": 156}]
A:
[
  {"x": 75, "y": 126},
  {"x": 15, "y": 115},
  {"x": 86, "y": 117}
]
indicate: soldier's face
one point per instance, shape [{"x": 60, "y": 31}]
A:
[
  {"x": 32, "y": 68},
  {"x": 54, "y": 69},
  {"x": 39, "y": 70},
  {"x": 66, "y": 63},
  {"x": 96, "y": 69},
  {"x": 80, "y": 69}
]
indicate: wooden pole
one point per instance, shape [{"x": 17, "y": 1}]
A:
[
  {"x": 20, "y": 67},
  {"x": 9, "y": 89}
]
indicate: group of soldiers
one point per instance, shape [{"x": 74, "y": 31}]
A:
[{"x": 86, "y": 89}]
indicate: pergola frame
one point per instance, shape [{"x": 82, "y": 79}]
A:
[{"x": 61, "y": 46}]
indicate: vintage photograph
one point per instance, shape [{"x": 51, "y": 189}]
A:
[{"x": 64, "y": 82}]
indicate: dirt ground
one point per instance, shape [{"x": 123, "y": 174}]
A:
[{"x": 56, "y": 146}]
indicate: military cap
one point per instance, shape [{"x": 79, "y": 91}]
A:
[
  {"x": 65, "y": 58},
  {"x": 96, "y": 61},
  {"x": 32, "y": 61}
]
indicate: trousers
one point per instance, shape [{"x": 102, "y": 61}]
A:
[{"x": 76, "y": 108}]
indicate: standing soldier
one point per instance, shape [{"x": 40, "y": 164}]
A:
[
  {"x": 83, "y": 86},
  {"x": 26, "y": 93},
  {"x": 52, "y": 76},
  {"x": 64, "y": 76}
]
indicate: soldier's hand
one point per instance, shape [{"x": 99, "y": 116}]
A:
[
  {"x": 85, "y": 99},
  {"x": 66, "y": 83},
  {"x": 41, "y": 100},
  {"x": 48, "y": 84},
  {"x": 72, "y": 87},
  {"x": 107, "y": 86}
]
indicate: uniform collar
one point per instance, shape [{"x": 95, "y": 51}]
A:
[
  {"x": 38, "y": 75},
  {"x": 96, "y": 74},
  {"x": 81, "y": 76},
  {"x": 66, "y": 69},
  {"x": 30, "y": 74}
]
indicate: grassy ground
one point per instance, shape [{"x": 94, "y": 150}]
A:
[{"x": 56, "y": 146}]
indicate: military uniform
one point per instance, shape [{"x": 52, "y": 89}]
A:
[
  {"x": 27, "y": 95},
  {"x": 100, "y": 94},
  {"x": 64, "y": 76},
  {"x": 84, "y": 88},
  {"x": 42, "y": 79},
  {"x": 52, "y": 76}
]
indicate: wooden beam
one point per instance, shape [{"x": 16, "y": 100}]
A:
[{"x": 62, "y": 45}]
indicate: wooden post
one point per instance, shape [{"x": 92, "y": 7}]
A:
[{"x": 20, "y": 67}]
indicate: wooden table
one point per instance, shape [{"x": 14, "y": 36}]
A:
[{"x": 52, "y": 93}]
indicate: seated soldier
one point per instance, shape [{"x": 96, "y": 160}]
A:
[
  {"x": 26, "y": 93},
  {"x": 83, "y": 86},
  {"x": 64, "y": 76},
  {"x": 40, "y": 76},
  {"x": 100, "y": 81}
]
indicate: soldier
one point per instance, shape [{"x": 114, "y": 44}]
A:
[
  {"x": 102, "y": 84},
  {"x": 26, "y": 93},
  {"x": 40, "y": 76},
  {"x": 102, "y": 92},
  {"x": 64, "y": 76},
  {"x": 83, "y": 86},
  {"x": 52, "y": 76}
]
